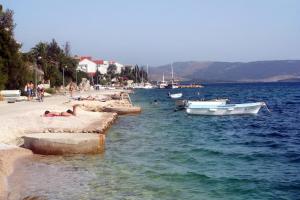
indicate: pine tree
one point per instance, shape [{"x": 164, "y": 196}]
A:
[{"x": 67, "y": 49}]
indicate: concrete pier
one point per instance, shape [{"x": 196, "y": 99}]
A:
[{"x": 64, "y": 143}]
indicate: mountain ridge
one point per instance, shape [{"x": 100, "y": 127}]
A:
[{"x": 218, "y": 71}]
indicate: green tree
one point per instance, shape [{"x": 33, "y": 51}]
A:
[
  {"x": 143, "y": 75},
  {"x": 67, "y": 49},
  {"x": 111, "y": 71},
  {"x": 53, "y": 60},
  {"x": 80, "y": 75},
  {"x": 13, "y": 71},
  {"x": 98, "y": 77},
  {"x": 128, "y": 72},
  {"x": 136, "y": 72},
  {"x": 3, "y": 74}
]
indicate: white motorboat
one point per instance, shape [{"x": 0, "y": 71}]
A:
[
  {"x": 227, "y": 109},
  {"x": 175, "y": 96},
  {"x": 215, "y": 102}
]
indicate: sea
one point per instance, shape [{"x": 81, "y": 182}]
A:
[{"x": 166, "y": 154}]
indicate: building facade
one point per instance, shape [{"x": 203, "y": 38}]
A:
[{"x": 86, "y": 64}]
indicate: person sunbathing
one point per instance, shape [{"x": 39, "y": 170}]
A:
[
  {"x": 67, "y": 113},
  {"x": 87, "y": 98},
  {"x": 84, "y": 98}
]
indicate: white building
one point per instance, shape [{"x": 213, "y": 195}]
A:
[
  {"x": 119, "y": 67},
  {"x": 86, "y": 64},
  {"x": 102, "y": 66}
]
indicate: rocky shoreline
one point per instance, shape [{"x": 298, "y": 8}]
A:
[
  {"x": 9, "y": 154},
  {"x": 25, "y": 118}
]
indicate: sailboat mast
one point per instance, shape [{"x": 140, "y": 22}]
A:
[
  {"x": 172, "y": 72},
  {"x": 147, "y": 74},
  {"x": 142, "y": 75}
]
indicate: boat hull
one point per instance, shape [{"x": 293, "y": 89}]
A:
[
  {"x": 229, "y": 109},
  {"x": 176, "y": 96},
  {"x": 162, "y": 85},
  {"x": 215, "y": 102},
  {"x": 172, "y": 86}
]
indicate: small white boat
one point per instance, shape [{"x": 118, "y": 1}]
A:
[
  {"x": 213, "y": 102},
  {"x": 175, "y": 96},
  {"x": 182, "y": 104},
  {"x": 227, "y": 109}
]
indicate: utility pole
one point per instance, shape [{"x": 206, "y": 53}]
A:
[
  {"x": 64, "y": 78},
  {"x": 35, "y": 75},
  {"x": 76, "y": 77},
  {"x": 35, "y": 81}
]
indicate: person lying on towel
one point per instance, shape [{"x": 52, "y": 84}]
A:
[{"x": 67, "y": 113}]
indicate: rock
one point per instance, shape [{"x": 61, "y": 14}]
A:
[
  {"x": 8, "y": 155},
  {"x": 64, "y": 143},
  {"x": 123, "y": 110}
]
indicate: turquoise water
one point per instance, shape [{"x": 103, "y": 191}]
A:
[{"x": 162, "y": 154}]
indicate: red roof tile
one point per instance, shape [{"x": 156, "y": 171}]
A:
[
  {"x": 85, "y": 57},
  {"x": 98, "y": 62}
]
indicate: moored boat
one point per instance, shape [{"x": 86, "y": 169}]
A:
[
  {"x": 175, "y": 96},
  {"x": 163, "y": 84},
  {"x": 213, "y": 102},
  {"x": 148, "y": 85},
  {"x": 173, "y": 84},
  {"x": 227, "y": 109}
]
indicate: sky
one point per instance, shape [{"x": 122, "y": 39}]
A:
[{"x": 158, "y": 32}]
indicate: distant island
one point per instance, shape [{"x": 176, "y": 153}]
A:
[{"x": 258, "y": 71}]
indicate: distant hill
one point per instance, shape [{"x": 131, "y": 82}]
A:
[{"x": 259, "y": 71}]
